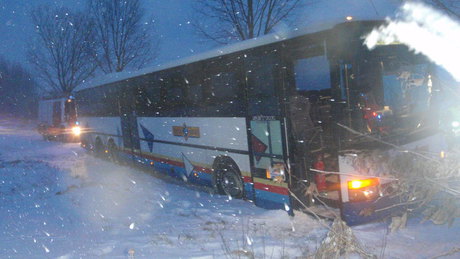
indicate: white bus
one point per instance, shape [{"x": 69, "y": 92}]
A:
[{"x": 272, "y": 120}]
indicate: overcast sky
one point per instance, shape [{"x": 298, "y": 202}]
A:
[{"x": 172, "y": 22}]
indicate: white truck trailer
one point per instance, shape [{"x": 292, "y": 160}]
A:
[{"x": 57, "y": 118}]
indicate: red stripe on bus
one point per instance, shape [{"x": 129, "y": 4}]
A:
[
  {"x": 247, "y": 179},
  {"x": 203, "y": 169},
  {"x": 162, "y": 160},
  {"x": 271, "y": 188}
]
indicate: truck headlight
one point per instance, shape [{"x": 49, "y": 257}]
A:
[{"x": 76, "y": 130}]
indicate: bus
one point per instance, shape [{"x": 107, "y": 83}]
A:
[
  {"x": 57, "y": 119},
  {"x": 288, "y": 121}
]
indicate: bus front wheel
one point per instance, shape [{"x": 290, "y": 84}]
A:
[{"x": 229, "y": 182}]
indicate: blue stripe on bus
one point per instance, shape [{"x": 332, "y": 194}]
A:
[
  {"x": 270, "y": 200},
  {"x": 195, "y": 177},
  {"x": 249, "y": 191}
]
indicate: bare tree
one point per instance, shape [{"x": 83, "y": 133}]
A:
[
  {"x": 63, "y": 56},
  {"x": 122, "y": 40},
  {"x": 18, "y": 90},
  {"x": 227, "y": 20}
]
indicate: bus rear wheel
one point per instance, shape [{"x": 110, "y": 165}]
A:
[
  {"x": 112, "y": 151},
  {"x": 98, "y": 147},
  {"x": 229, "y": 182}
]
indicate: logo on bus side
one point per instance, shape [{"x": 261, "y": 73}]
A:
[{"x": 186, "y": 132}]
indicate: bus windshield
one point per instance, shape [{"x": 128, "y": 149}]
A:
[
  {"x": 406, "y": 87},
  {"x": 394, "y": 94}
]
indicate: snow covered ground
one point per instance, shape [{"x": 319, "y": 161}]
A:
[{"x": 57, "y": 201}]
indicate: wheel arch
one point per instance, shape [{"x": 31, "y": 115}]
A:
[
  {"x": 99, "y": 144},
  {"x": 111, "y": 141},
  {"x": 222, "y": 160}
]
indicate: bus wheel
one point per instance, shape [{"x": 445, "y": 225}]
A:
[
  {"x": 98, "y": 147},
  {"x": 229, "y": 181},
  {"x": 113, "y": 151}
]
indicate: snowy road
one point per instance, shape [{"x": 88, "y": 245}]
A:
[{"x": 57, "y": 201}]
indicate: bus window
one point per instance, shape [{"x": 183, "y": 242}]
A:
[
  {"x": 148, "y": 99},
  {"x": 172, "y": 94},
  {"x": 312, "y": 80},
  {"x": 224, "y": 86},
  {"x": 388, "y": 95},
  {"x": 309, "y": 105},
  {"x": 260, "y": 74},
  {"x": 193, "y": 79},
  {"x": 406, "y": 88},
  {"x": 194, "y": 93},
  {"x": 312, "y": 74}
]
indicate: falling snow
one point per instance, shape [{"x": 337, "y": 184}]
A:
[
  {"x": 57, "y": 201},
  {"x": 95, "y": 211}
]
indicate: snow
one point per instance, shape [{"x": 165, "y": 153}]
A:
[{"x": 58, "y": 201}]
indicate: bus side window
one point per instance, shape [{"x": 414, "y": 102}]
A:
[
  {"x": 194, "y": 94},
  {"x": 173, "y": 94},
  {"x": 309, "y": 74},
  {"x": 223, "y": 88},
  {"x": 312, "y": 73},
  {"x": 261, "y": 77},
  {"x": 148, "y": 99},
  {"x": 312, "y": 79},
  {"x": 194, "y": 99}
]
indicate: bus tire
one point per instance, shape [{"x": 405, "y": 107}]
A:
[
  {"x": 228, "y": 179},
  {"x": 112, "y": 151}
]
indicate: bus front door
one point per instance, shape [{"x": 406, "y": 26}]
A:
[{"x": 269, "y": 172}]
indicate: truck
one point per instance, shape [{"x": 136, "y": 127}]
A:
[{"x": 57, "y": 119}]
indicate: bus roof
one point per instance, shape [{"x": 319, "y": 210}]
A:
[{"x": 227, "y": 49}]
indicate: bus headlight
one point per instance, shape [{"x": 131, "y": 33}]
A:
[
  {"x": 76, "y": 130},
  {"x": 363, "y": 190}
]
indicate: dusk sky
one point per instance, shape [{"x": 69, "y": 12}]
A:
[{"x": 172, "y": 22}]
